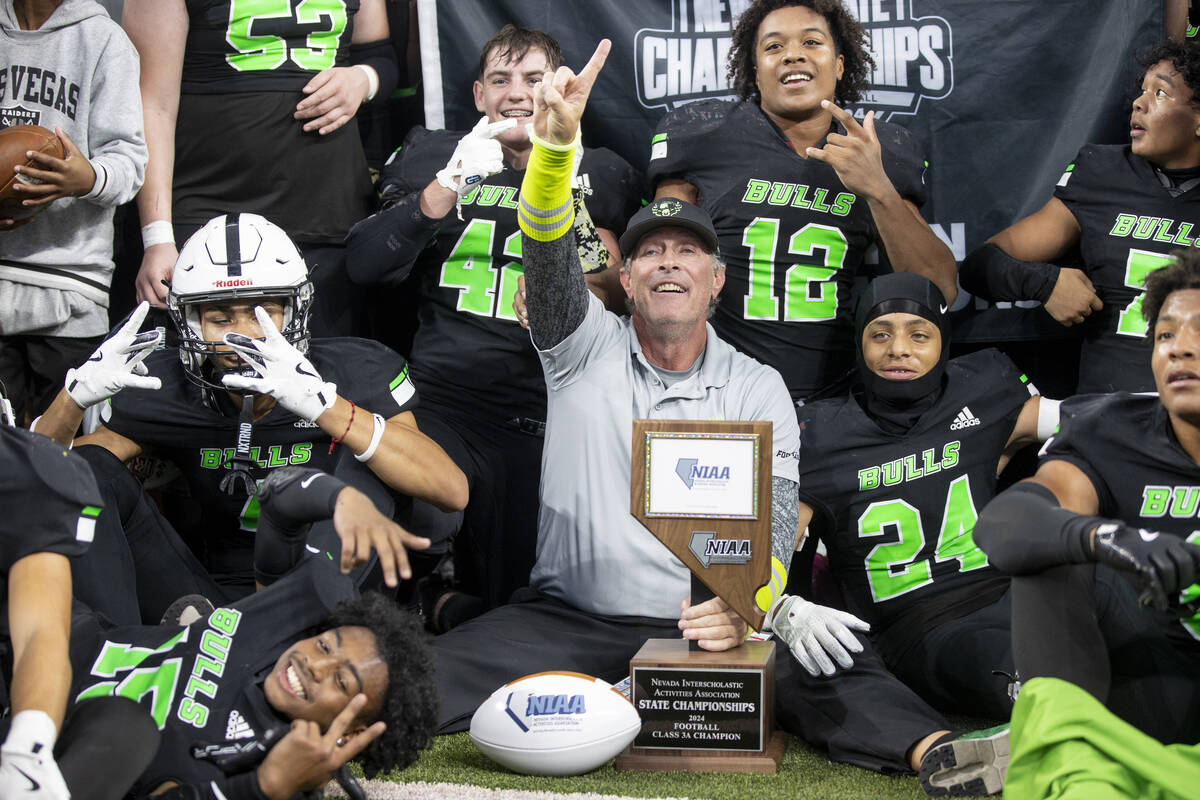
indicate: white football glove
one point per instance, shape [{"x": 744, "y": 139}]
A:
[
  {"x": 477, "y": 156},
  {"x": 27, "y": 767},
  {"x": 116, "y": 364},
  {"x": 282, "y": 371},
  {"x": 814, "y": 633}
]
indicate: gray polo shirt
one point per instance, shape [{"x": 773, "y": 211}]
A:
[{"x": 591, "y": 552}]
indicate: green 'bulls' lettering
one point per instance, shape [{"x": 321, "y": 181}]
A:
[
  {"x": 1181, "y": 502},
  {"x": 214, "y": 651},
  {"x": 221, "y": 458},
  {"x": 909, "y": 468},
  {"x": 781, "y": 193},
  {"x": 1158, "y": 229}
]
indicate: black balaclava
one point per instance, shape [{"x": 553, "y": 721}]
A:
[{"x": 897, "y": 405}]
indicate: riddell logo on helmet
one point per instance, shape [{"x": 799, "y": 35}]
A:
[{"x": 233, "y": 283}]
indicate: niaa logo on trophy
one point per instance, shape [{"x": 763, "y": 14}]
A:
[{"x": 696, "y": 475}]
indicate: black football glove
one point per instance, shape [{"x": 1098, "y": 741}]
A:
[{"x": 1164, "y": 563}]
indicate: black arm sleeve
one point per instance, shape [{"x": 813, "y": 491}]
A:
[
  {"x": 291, "y": 499},
  {"x": 1024, "y": 530},
  {"x": 993, "y": 274},
  {"x": 556, "y": 294},
  {"x": 382, "y": 249},
  {"x": 381, "y": 57}
]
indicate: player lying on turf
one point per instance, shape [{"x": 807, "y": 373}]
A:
[
  {"x": 246, "y": 392},
  {"x": 43, "y": 756},
  {"x": 1111, "y": 512},
  {"x": 892, "y": 477},
  {"x": 1125, "y": 208},
  {"x": 273, "y": 694}
]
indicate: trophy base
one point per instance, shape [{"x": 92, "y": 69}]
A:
[
  {"x": 704, "y": 711},
  {"x": 705, "y": 760}
]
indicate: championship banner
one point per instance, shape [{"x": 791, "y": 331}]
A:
[{"x": 1000, "y": 95}]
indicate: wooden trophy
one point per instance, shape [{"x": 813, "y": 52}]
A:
[{"x": 703, "y": 488}]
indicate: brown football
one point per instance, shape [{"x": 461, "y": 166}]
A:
[{"x": 14, "y": 143}]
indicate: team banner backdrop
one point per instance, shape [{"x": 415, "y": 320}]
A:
[{"x": 1000, "y": 94}]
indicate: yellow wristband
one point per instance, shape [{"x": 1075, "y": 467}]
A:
[
  {"x": 545, "y": 211},
  {"x": 766, "y": 595}
]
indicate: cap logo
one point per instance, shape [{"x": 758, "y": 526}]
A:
[{"x": 667, "y": 207}]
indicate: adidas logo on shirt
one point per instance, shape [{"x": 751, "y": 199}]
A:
[
  {"x": 237, "y": 727},
  {"x": 965, "y": 419}
]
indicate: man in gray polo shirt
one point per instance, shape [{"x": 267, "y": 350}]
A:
[{"x": 602, "y": 583}]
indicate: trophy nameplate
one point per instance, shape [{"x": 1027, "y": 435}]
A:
[{"x": 703, "y": 488}]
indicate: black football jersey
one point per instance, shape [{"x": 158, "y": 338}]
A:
[
  {"x": 1128, "y": 224},
  {"x": 897, "y": 512},
  {"x": 176, "y": 425},
  {"x": 791, "y": 235},
  {"x": 49, "y": 499},
  {"x": 237, "y": 146},
  {"x": 469, "y": 345},
  {"x": 251, "y": 45},
  {"x": 202, "y": 683},
  {"x": 1124, "y": 445},
  {"x": 244, "y": 152}
]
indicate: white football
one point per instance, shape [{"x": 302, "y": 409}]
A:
[{"x": 554, "y": 723}]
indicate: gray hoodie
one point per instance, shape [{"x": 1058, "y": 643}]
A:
[{"x": 79, "y": 71}]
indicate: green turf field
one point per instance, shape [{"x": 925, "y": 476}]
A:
[{"x": 804, "y": 775}]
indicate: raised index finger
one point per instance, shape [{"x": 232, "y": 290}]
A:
[
  {"x": 136, "y": 319},
  {"x": 841, "y": 115},
  {"x": 346, "y": 717},
  {"x": 266, "y": 323},
  {"x": 587, "y": 75}
]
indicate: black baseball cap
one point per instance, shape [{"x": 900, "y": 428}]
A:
[{"x": 673, "y": 212}]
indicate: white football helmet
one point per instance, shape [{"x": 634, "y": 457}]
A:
[{"x": 236, "y": 256}]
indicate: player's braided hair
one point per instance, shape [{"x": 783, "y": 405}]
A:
[
  {"x": 410, "y": 702},
  {"x": 511, "y": 43},
  {"x": 1185, "y": 57},
  {"x": 1182, "y": 273},
  {"x": 849, "y": 38}
]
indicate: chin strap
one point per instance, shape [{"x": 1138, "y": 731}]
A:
[{"x": 242, "y": 462}]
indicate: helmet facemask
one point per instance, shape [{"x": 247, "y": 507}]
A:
[{"x": 237, "y": 257}]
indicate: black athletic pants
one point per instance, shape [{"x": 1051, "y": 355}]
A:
[
  {"x": 1082, "y": 623},
  {"x": 952, "y": 666},
  {"x": 494, "y": 550},
  {"x": 863, "y": 716},
  {"x": 33, "y": 369}
]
